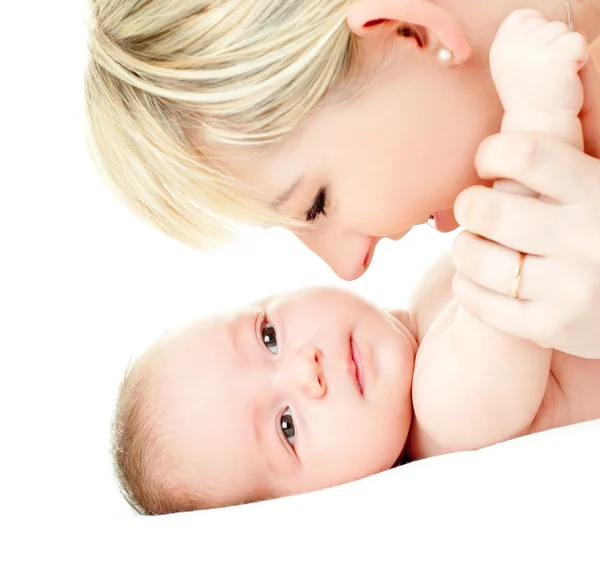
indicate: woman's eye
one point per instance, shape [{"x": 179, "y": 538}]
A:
[
  {"x": 318, "y": 207},
  {"x": 287, "y": 426},
  {"x": 269, "y": 337}
]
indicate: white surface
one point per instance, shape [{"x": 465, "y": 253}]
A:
[
  {"x": 84, "y": 285},
  {"x": 532, "y": 500}
]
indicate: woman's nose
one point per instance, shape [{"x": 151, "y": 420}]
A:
[
  {"x": 349, "y": 255},
  {"x": 303, "y": 373}
]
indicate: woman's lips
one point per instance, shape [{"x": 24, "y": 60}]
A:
[
  {"x": 369, "y": 256},
  {"x": 359, "y": 371},
  {"x": 443, "y": 221}
]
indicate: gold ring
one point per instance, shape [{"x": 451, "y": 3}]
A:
[{"x": 514, "y": 291}]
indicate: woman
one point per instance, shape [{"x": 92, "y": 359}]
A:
[{"x": 349, "y": 121}]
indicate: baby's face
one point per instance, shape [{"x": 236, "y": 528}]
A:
[{"x": 294, "y": 394}]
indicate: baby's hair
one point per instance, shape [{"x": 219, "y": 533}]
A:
[
  {"x": 141, "y": 460},
  {"x": 167, "y": 81},
  {"x": 147, "y": 472}
]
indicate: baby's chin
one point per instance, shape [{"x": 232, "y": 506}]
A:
[{"x": 408, "y": 332}]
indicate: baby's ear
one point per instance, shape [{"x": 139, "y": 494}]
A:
[{"x": 374, "y": 21}]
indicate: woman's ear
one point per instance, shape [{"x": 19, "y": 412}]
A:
[{"x": 372, "y": 19}]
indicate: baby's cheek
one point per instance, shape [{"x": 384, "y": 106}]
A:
[
  {"x": 394, "y": 423},
  {"x": 382, "y": 440},
  {"x": 356, "y": 443}
]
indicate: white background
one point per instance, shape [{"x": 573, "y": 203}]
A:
[{"x": 85, "y": 286}]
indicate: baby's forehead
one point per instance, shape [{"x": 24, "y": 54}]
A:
[
  {"x": 204, "y": 326},
  {"x": 192, "y": 370},
  {"x": 211, "y": 346},
  {"x": 219, "y": 321},
  {"x": 205, "y": 342},
  {"x": 203, "y": 415}
]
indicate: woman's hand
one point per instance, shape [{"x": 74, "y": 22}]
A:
[{"x": 559, "y": 295}]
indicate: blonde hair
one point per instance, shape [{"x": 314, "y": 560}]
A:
[
  {"x": 138, "y": 451},
  {"x": 168, "y": 80},
  {"x": 148, "y": 473}
]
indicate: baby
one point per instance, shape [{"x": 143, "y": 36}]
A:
[{"x": 317, "y": 388}]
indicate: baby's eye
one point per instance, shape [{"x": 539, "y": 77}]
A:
[
  {"x": 269, "y": 337},
  {"x": 287, "y": 426}
]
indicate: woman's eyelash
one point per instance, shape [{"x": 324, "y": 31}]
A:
[{"x": 318, "y": 207}]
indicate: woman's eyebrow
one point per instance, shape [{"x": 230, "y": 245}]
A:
[{"x": 285, "y": 197}]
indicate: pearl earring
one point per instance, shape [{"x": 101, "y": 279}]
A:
[{"x": 444, "y": 55}]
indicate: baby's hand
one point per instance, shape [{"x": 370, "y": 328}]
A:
[{"x": 535, "y": 64}]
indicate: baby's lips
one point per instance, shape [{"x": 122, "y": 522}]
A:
[{"x": 443, "y": 221}]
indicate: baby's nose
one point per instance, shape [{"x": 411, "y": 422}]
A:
[{"x": 304, "y": 373}]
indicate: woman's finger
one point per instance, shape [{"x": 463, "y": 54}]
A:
[
  {"x": 527, "y": 319},
  {"x": 542, "y": 163},
  {"x": 494, "y": 267},
  {"x": 590, "y": 113},
  {"x": 519, "y": 222},
  {"x": 566, "y": 323}
]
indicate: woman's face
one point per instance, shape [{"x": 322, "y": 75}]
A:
[{"x": 375, "y": 164}]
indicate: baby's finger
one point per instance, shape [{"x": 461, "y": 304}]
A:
[
  {"x": 540, "y": 162},
  {"x": 519, "y": 222},
  {"x": 590, "y": 113}
]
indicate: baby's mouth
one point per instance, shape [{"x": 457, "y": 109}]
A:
[{"x": 359, "y": 373}]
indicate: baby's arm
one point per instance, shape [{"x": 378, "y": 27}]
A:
[
  {"x": 474, "y": 385},
  {"x": 535, "y": 66}
]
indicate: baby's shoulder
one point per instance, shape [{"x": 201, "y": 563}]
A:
[{"x": 433, "y": 294}]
